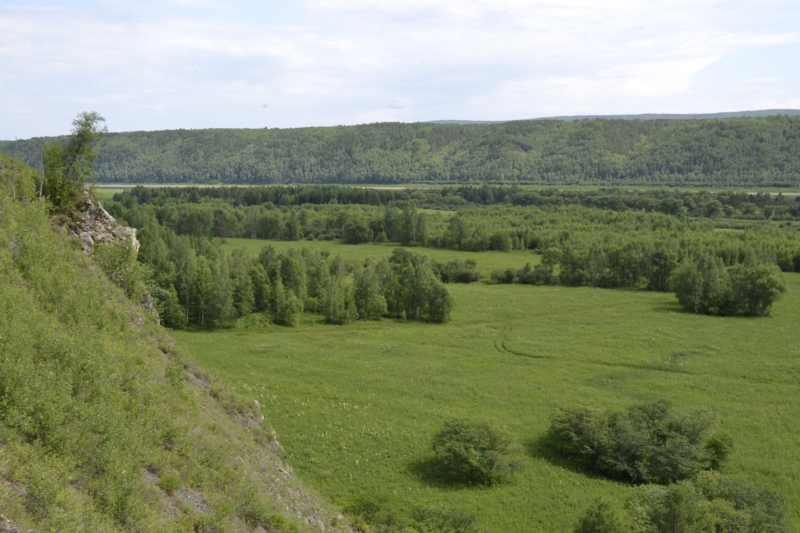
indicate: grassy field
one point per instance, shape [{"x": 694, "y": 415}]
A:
[
  {"x": 356, "y": 406},
  {"x": 487, "y": 261}
]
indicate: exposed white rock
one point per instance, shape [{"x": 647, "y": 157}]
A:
[{"x": 94, "y": 225}]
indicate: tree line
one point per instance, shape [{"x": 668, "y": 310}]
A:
[
  {"x": 594, "y": 246},
  {"x": 197, "y": 283},
  {"x": 731, "y": 152},
  {"x": 700, "y": 204}
]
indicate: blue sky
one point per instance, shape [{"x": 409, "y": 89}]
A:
[{"x": 148, "y": 65}]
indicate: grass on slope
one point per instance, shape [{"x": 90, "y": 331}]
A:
[
  {"x": 359, "y": 404},
  {"x": 104, "y": 424}
]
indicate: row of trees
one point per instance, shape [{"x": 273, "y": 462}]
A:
[
  {"x": 734, "y": 152},
  {"x": 702, "y": 204},
  {"x": 702, "y": 283},
  {"x": 595, "y": 243},
  {"x": 198, "y": 283}
]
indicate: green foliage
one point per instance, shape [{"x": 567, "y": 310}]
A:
[
  {"x": 278, "y": 524},
  {"x": 703, "y": 285},
  {"x": 456, "y": 271},
  {"x": 741, "y": 209},
  {"x": 118, "y": 261},
  {"x": 754, "y": 288},
  {"x": 198, "y": 280},
  {"x": 170, "y": 481},
  {"x": 595, "y": 246},
  {"x": 601, "y": 517},
  {"x": 726, "y": 152},
  {"x": 384, "y": 513},
  {"x": 369, "y": 298},
  {"x": 646, "y": 444},
  {"x": 709, "y": 503},
  {"x": 18, "y": 181},
  {"x": 95, "y": 398},
  {"x": 699, "y": 283},
  {"x": 476, "y": 453},
  {"x": 68, "y": 168},
  {"x": 357, "y": 407}
]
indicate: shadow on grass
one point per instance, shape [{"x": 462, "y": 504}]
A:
[
  {"x": 670, "y": 307},
  {"x": 430, "y": 471},
  {"x": 542, "y": 448},
  {"x": 675, "y": 308}
]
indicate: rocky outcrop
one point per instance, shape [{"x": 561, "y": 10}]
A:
[
  {"x": 93, "y": 225},
  {"x": 7, "y": 526}
]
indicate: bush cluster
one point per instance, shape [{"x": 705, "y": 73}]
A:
[
  {"x": 384, "y": 513},
  {"x": 476, "y": 453},
  {"x": 709, "y": 502},
  {"x": 645, "y": 444},
  {"x": 704, "y": 285},
  {"x": 198, "y": 283}
]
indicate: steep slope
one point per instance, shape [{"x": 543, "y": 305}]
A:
[{"x": 105, "y": 425}]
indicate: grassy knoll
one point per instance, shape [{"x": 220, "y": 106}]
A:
[
  {"x": 487, "y": 261},
  {"x": 356, "y": 406}
]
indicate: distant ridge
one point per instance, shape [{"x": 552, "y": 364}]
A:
[
  {"x": 645, "y": 116},
  {"x": 718, "y": 150}
]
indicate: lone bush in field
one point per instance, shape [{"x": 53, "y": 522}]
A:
[
  {"x": 476, "y": 453},
  {"x": 645, "y": 444}
]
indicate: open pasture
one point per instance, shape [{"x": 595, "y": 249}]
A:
[
  {"x": 358, "y": 253},
  {"x": 356, "y": 406}
]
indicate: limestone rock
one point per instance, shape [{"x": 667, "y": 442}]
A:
[
  {"x": 94, "y": 225},
  {"x": 7, "y": 527}
]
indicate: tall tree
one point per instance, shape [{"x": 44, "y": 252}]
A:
[{"x": 68, "y": 169}]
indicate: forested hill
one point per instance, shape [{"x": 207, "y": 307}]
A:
[{"x": 731, "y": 152}]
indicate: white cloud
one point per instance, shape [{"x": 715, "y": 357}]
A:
[{"x": 200, "y": 63}]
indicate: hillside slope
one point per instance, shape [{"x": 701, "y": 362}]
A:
[
  {"x": 729, "y": 152},
  {"x": 105, "y": 425}
]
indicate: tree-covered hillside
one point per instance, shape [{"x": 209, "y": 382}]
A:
[{"x": 734, "y": 152}]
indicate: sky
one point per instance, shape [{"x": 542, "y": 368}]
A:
[{"x": 170, "y": 64}]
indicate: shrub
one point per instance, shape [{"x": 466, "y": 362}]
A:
[
  {"x": 385, "y": 513},
  {"x": 503, "y": 276},
  {"x": 278, "y": 524},
  {"x": 710, "y": 502},
  {"x": 170, "y": 481},
  {"x": 444, "y": 520},
  {"x": 702, "y": 285},
  {"x": 646, "y": 444},
  {"x": 753, "y": 289},
  {"x": 476, "y": 453},
  {"x": 456, "y": 271},
  {"x": 601, "y": 517}
]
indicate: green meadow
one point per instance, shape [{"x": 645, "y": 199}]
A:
[{"x": 356, "y": 406}]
